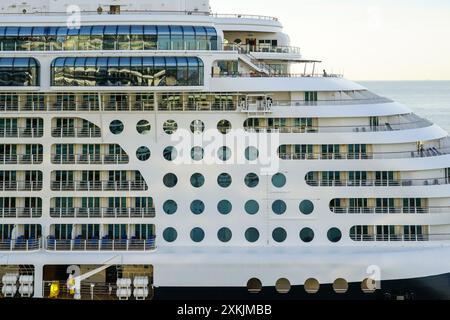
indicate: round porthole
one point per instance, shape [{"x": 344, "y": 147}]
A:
[
  {"x": 197, "y": 207},
  {"x": 279, "y": 207},
  {"x": 252, "y": 234},
  {"x": 224, "y": 235},
  {"x": 197, "y": 180},
  {"x": 170, "y": 234},
  {"x": 312, "y": 286},
  {"x": 143, "y": 127},
  {"x": 197, "y": 153},
  {"x": 143, "y": 154},
  {"x": 254, "y": 285},
  {"x": 306, "y": 207},
  {"x": 170, "y": 207},
  {"x": 334, "y": 235},
  {"x": 197, "y": 126},
  {"x": 279, "y": 235},
  {"x": 283, "y": 286},
  {"x": 116, "y": 127},
  {"x": 224, "y": 207},
  {"x": 170, "y": 126},
  {"x": 170, "y": 180},
  {"x": 224, "y": 180},
  {"x": 224, "y": 126},
  {"x": 197, "y": 234},
  {"x": 340, "y": 286},
  {"x": 251, "y": 153},
  {"x": 279, "y": 180},
  {"x": 170, "y": 153},
  {"x": 251, "y": 180},
  {"x": 251, "y": 207},
  {"x": 307, "y": 235}
]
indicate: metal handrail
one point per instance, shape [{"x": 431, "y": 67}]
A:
[
  {"x": 260, "y": 48},
  {"x": 128, "y": 185},
  {"x": 275, "y": 75},
  {"x": 53, "y": 244},
  {"x": 90, "y": 159},
  {"x": 378, "y": 183},
  {"x": 390, "y": 210},
  {"x": 21, "y": 212},
  {"x": 21, "y": 158},
  {"x": 400, "y": 237},
  {"x": 102, "y": 212},
  {"x": 76, "y": 132},
  {"x": 431, "y": 152},
  {"x": 20, "y": 244},
  {"x": 22, "y": 132},
  {"x": 20, "y": 185}
]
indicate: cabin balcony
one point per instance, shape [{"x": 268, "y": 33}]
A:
[
  {"x": 90, "y": 159},
  {"x": 14, "y": 212},
  {"x": 126, "y": 185},
  {"x": 390, "y": 210},
  {"x": 20, "y": 185},
  {"x": 22, "y": 132},
  {"x": 93, "y": 212},
  {"x": 20, "y": 244},
  {"x": 104, "y": 244},
  {"x": 76, "y": 132},
  {"x": 21, "y": 159}
]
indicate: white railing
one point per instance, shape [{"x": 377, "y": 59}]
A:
[
  {"x": 20, "y": 244},
  {"x": 20, "y": 212},
  {"x": 378, "y": 183},
  {"x": 89, "y": 159},
  {"x": 21, "y": 158},
  {"x": 102, "y": 212},
  {"x": 390, "y": 210},
  {"x": 100, "y": 245},
  {"x": 127, "y": 185},
  {"x": 400, "y": 237},
  {"x": 21, "y": 132},
  {"x": 68, "y": 132},
  {"x": 20, "y": 185}
]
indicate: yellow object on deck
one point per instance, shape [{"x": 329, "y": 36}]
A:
[{"x": 54, "y": 290}]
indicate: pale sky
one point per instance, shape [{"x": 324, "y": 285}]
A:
[{"x": 365, "y": 39}]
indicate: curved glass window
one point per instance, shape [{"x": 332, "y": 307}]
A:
[
  {"x": 279, "y": 207},
  {"x": 19, "y": 72},
  {"x": 170, "y": 180},
  {"x": 224, "y": 207},
  {"x": 197, "y": 126},
  {"x": 251, "y": 153},
  {"x": 170, "y": 234},
  {"x": 224, "y": 153},
  {"x": 116, "y": 127},
  {"x": 197, "y": 180},
  {"x": 251, "y": 207},
  {"x": 279, "y": 235},
  {"x": 197, "y": 153},
  {"x": 143, "y": 153},
  {"x": 251, "y": 180},
  {"x": 279, "y": 180},
  {"x": 307, "y": 235},
  {"x": 127, "y": 71},
  {"x": 224, "y": 180},
  {"x": 197, "y": 234},
  {"x": 306, "y": 207},
  {"x": 170, "y": 153},
  {"x": 252, "y": 234},
  {"x": 143, "y": 127},
  {"x": 170, "y": 207},
  {"x": 334, "y": 235},
  {"x": 197, "y": 207},
  {"x": 123, "y": 37},
  {"x": 224, "y": 235}
]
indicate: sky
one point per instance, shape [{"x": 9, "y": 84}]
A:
[{"x": 364, "y": 39}]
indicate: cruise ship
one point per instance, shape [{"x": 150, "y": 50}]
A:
[{"x": 155, "y": 150}]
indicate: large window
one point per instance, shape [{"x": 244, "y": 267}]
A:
[
  {"x": 111, "y": 37},
  {"x": 128, "y": 71},
  {"x": 19, "y": 72}
]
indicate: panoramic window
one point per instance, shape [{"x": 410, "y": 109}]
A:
[
  {"x": 224, "y": 180},
  {"x": 251, "y": 180},
  {"x": 143, "y": 127},
  {"x": 116, "y": 127},
  {"x": 127, "y": 71},
  {"x": 143, "y": 153},
  {"x": 110, "y": 37},
  {"x": 19, "y": 72},
  {"x": 170, "y": 180},
  {"x": 197, "y": 207},
  {"x": 170, "y": 207}
]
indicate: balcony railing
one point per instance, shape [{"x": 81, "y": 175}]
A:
[
  {"x": 21, "y": 158},
  {"x": 390, "y": 210},
  {"x": 431, "y": 152},
  {"x": 21, "y": 132},
  {"x": 20, "y": 244},
  {"x": 275, "y": 75},
  {"x": 333, "y": 129},
  {"x": 20, "y": 185},
  {"x": 100, "y": 245},
  {"x": 378, "y": 183},
  {"x": 400, "y": 237},
  {"x": 246, "y": 48},
  {"x": 102, "y": 212},
  {"x": 99, "y": 186},
  {"x": 20, "y": 212},
  {"x": 89, "y": 159},
  {"x": 63, "y": 132}
]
